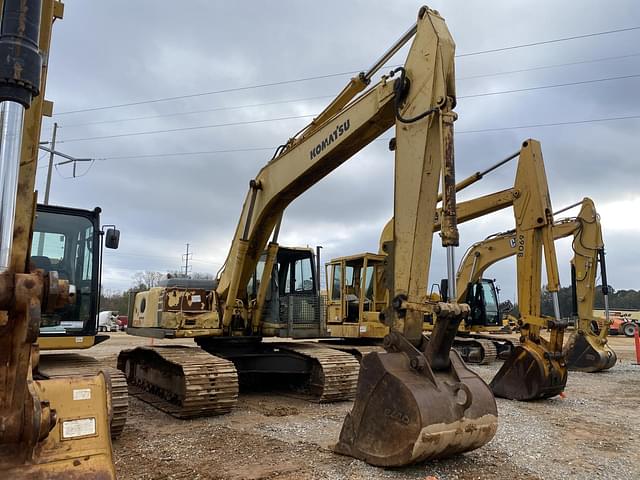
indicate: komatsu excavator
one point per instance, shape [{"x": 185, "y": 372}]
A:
[
  {"x": 415, "y": 401},
  {"x": 49, "y": 428},
  {"x": 585, "y": 350}
]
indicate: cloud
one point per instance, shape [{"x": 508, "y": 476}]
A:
[{"x": 123, "y": 52}]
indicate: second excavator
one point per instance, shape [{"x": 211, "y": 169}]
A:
[
  {"x": 415, "y": 401},
  {"x": 587, "y": 348}
]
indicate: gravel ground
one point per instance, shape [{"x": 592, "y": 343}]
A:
[{"x": 591, "y": 432}]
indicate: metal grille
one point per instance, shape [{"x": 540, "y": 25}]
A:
[{"x": 302, "y": 309}]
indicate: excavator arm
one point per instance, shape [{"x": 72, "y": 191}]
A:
[
  {"x": 418, "y": 400},
  {"x": 542, "y": 373},
  {"x": 585, "y": 350},
  {"x": 57, "y": 428},
  {"x": 424, "y": 86}
]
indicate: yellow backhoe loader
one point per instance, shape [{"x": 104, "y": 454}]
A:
[
  {"x": 50, "y": 428},
  {"x": 415, "y": 401}
]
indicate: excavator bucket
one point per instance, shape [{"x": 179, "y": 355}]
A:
[
  {"x": 530, "y": 373},
  {"x": 589, "y": 353},
  {"x": 415, "y": 404}
]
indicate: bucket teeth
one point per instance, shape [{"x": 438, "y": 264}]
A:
[{"x": 402, "y": 415}]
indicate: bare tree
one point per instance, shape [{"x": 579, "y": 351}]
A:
[{"x": 146, "y": 279}]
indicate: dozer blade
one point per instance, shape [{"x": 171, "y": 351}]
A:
[
  {"x": 531, "y": 372},
  {"x": 406, "y": 410},
  {"x": 588, "y": 353}
]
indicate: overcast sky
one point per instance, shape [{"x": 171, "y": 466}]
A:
[{"x": 118, "y": 52}]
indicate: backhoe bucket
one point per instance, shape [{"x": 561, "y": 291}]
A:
[
  {"x": 588, "y": 353},
  {"x": 405, "y": 411},
  {"x": 531, "y": 372}
]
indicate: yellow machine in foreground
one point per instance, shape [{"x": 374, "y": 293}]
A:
[
  {"x": 69, "y": 241},
  {"x": 415, "y": 401},
  {"x": 54, "y": 428}
]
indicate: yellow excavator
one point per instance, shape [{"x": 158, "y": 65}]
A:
[
  {"x": 51, "y": 428},
  {"x": 535, "y": 368},
  {"x": 356, "y": 292},
  {"x": 587, "y": 348},
  {"x": 70, "y": 241},
  {"x": 415, "y": 401}
]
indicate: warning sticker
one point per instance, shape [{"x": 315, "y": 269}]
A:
[
  {"x": 78, "y": 428},
  {"x": 82, "y": 394}
]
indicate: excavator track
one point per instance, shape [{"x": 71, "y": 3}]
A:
[
  {"x": 70, "y": 364},
  {"x": 358, "y": 351},
  {"x": 184, "y": 382},
  {"x": 476, "y": 350},
  {"x": 334, "y": 376}
]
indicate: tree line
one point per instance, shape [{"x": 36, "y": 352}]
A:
[{"x": 618, "y": 300}]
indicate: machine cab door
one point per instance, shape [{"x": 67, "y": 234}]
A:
[
  {"x": 67, "y": 240},
  {"x": 482, "y": 297}
]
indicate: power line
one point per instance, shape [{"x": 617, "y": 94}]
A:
[
  {"x": 547, "y": 42},
  {"x": 182, "y": 129},
  {"x": 249, "y": 122},
  {"x": 458, "y": 132},
  {"x": 554, "y": 124},
  {"x": 546, "y": 67},
  {"x": 557, "y": 85},
  {"x": 322, "y": 97},
  {"x": 317, "y": 77},
  {"x": 208, "y": 110},
  {"x": 202, "y": 94}
]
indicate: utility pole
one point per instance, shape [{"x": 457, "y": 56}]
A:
[
  {"x": 186, "y": 257},
  {"x": 52, "y": 153},
  {"x": 50, "y": 169}
]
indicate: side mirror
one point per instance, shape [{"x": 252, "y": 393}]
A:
[{"x": 112, "y": 238}]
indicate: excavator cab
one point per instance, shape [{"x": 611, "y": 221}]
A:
[
  {"x": 482, "y": 298},
  {"x": 356, "y": 296},
  {"x": 293, "y": 306},
  {"x": 68, "y": 240}
]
